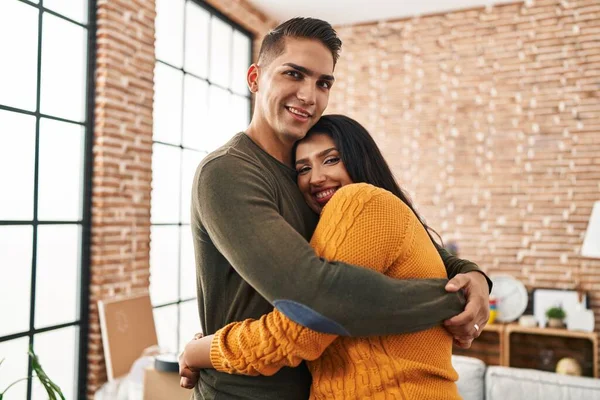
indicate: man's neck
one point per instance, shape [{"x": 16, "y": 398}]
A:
[{"x": 266, "y": 138}]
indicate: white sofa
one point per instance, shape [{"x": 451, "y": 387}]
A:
[{"x": 476, "y": 381}]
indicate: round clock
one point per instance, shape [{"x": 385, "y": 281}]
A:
[{"x": 511, "y": 296}]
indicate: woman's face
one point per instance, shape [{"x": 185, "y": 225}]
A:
[{"x": 321, "y": 171}]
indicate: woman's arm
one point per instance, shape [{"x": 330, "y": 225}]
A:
[
  {"x": 362, "y": 225},
  {"x": 196, "y": 354},
  {"x": 257, "y": 347}
]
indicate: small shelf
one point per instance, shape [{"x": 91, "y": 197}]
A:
[
  {"x": 489, "y": 347},
  {"x": 498, "y": 328},
  {"x": 512, "y": 345},
  {"x": 550, "y": 332}
]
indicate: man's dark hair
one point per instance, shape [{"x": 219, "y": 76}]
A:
[
  {"x": 273, "y": 43},
  {"x": 362, "y": 158}
]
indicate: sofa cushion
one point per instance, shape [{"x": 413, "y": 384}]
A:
[
  {"x": 528, "y": 384},
  {"x": 471, "y": 376}
]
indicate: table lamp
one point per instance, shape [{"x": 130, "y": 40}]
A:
[{"x": 583, "y": 319}]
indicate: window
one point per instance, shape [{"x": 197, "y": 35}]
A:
[
  {"x": 200, "y": 101},
  {"x": 45, "y": 165}
]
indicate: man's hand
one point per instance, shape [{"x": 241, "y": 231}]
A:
[
  {"x": 189, "y": 377},
  {"x": 467, "y": 326}
]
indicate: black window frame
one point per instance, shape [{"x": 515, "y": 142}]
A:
[
  {"x": 85, "y": 222},
  {"x": 214, "y": 13}
]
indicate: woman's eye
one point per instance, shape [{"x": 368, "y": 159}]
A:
[
  {"x": 302, "y": 170},
  {"x": 332, "y": 160}
]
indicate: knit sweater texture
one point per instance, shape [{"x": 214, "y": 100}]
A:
[{"x": 367, "y": 226}]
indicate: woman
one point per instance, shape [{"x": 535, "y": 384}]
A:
[{"x": 365, "y": 220}]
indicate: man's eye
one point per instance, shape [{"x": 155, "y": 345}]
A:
[
  {"x": 294, "y": 74},
  {"x": 325, "y": 84}
]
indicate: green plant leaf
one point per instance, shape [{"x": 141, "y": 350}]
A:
[
  {"x": 11, "y": 385},
  {"x": 51, "y": 388},
  {"x": 556, "y": 312}
]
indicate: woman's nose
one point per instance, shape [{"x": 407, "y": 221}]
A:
[{"x": 317, "y": 178}]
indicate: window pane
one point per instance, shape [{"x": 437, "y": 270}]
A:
[
  {"x": 241, "y": 62},
  {"x": 219, "y": 127},
  {"x": 18, "y": 69},
  {"x": 240, "y": 113},
  {"x": 169, "y": 31},
  {"x": 15, "y": 278},
  {"x": 58, "y": 352},
  {"x": 166, "y": 327},
  {"x": 14, "y": 366},
  {"x": 189, "y": 322},
  {"x": 165, "y": 184},
  {"x": 167, "y": 104},
  {"x": 196, "y": 39},
  {"x": 17, "y": 164},
  {"x": 220, "y": 52},
  {"x": 164, "y": 251},
  {"x": 74, "y": 9},
  {"x": 195, "y": 111},
  {"x": 188, "y": 264},
  {"x": 57, "y": 288},
  {"x": 191, "y": 160},
  {"x": 60, "y": 171},
  {"x": 64, "y": 58}
]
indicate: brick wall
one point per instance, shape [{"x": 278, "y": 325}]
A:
[
  {"x": 123, "y": 150},
  {"x": 491, "y": 119},
  {"x": 122, "y": 160}
]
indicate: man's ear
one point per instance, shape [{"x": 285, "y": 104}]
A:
[{"x": 252, "y": 78}]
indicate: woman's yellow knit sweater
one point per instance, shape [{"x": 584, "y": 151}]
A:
[{"x": 368, "y": 226}]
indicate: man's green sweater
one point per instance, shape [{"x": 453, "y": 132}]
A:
[{"x": 251, "y": 228}]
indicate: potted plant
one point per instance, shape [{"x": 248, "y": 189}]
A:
[
  {"x": 556, "y": 316},
  {"x": 52, "y": 389}
]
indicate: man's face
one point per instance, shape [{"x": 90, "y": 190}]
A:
[{"x": 293, "y": 89}]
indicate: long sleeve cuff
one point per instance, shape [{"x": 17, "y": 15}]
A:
[{"x": 219, "y": 363}]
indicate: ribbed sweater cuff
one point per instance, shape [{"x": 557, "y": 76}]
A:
[{"x": 218, "y": 362}]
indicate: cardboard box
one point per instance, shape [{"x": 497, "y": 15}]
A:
[
  {"x": 127, "y": 326},
  {"x": 164, "y": 386}
]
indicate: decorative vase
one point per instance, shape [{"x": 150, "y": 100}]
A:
[
  {"x": 568, "y": 366},
  {"x": 555, "y": 323},
  {"x": 580, "y": 319}
]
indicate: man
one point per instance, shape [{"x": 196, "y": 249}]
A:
[{"x": 251, "y": 228}]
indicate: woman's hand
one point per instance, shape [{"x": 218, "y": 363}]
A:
[{"x": 189, "y": 376}]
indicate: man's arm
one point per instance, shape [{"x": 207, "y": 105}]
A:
[
  {"x": 351, "y": 230},
  {"x": 239, "y": 211}
]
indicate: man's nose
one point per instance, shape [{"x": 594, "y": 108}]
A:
[{"x": 307, "y": 92}]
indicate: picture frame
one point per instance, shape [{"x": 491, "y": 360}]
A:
[{"x": 545, "y": 298}]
